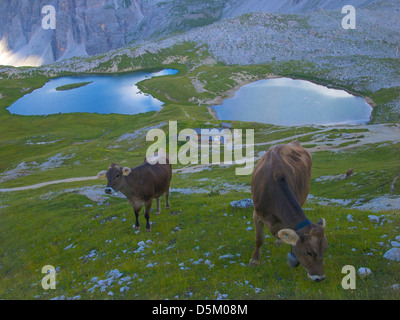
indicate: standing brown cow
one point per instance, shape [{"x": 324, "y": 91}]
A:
[
  {"x": 280, "y": 185},
  {"x": 349, "y": 172},
  {"x": 140, "y": 185}
]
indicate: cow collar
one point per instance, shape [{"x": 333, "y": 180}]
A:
[{"x": 302, "y": 224}]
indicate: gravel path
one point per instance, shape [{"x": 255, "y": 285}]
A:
[
  {"x": 376, "y": 134},
  {"x": 43, "y": 184}
]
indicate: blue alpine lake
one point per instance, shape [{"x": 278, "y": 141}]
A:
[
  {"x": 289, "y": 102},
  {"x": 105, "y": 94}
]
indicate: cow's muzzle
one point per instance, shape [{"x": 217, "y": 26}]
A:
[
  {"x": 316, "y": 278},
  {"x": 108, "y": 190}
]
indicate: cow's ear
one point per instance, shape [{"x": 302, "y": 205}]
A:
[
  {"x": 126, "y": 171},
  {"x": 322, "y": 222},
  {"x": 102, "y": 175},
  {"x": 288, "y": 236}
]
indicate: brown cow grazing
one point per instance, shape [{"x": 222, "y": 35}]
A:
[
  {"x": 280, "y": 185},
  {"x": 349, "y": 172},
  {"x": 140, "y": 185}
]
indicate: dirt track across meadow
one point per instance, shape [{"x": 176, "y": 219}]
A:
[
  {"x": 375, "y": 134},
  {"x": 43, "y": 184}
]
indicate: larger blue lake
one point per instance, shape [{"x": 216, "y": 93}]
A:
[
  {"x": 289, "y": 102},
  {"x": 106, "y": 94}
]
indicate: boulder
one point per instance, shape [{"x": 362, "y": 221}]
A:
[
  {"x": 396, "y": 286},
  {"x": 393, "y": 254},
  {"x": 373, "y": 218},
  {"x": 395, "y": 244},
  {"x": 244, "y": 203},
  {"x": 363, "y": 272}
]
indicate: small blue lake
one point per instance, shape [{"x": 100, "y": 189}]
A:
[
  {"x": 106, "y": 94},
  {"x": 289, "y": 102}
]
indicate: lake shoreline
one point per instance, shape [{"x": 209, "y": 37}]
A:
[
  {"x": 96, "y": 98},
  {"x": 231, "y": 93}
]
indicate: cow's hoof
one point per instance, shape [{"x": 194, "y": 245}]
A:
[
  {"x": 137, "y": 228},
  {"x": 166, "y": 207},
  {"x": 148, "y": 229},
  {"x": 254, "y": 263},
  {"x": 158, "y": 213}
]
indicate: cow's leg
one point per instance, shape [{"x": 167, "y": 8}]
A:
[
  {"x": 137, "y": 212},
  {"x": 259, "y": 225},
  {"x": 158, "y": 206},
  {"x": 147, "y": 214},
  {"x": 166, "y": 199}
]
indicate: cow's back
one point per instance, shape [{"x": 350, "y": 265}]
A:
[
  {"x": 290, "y": 162},
  {"x": 155, "y": 178}
]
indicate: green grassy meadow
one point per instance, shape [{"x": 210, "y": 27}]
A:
[{"x": 200, "y": 248}]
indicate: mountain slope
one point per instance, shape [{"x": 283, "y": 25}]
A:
[
  {"x": 89, "y": 27},
  {"x": 237, "y": 8}
]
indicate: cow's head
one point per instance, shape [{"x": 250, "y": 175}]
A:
[
  {"x": 308, "y": 247},
  {"x": 115, "y": 176}
]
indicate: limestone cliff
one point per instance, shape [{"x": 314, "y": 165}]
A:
[{"x": 87, "y": 27}]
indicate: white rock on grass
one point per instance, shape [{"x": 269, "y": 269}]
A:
[
  {"x": 363, "y": 272},
  {"x": 393, "y": 254},
  {"x": 395, "y": 244},
  {"x": 396, "y": 286},
  {"x": 69, "y": 247},
  {"x": 123, "y": 289},
  {"x": 244, "y": 203},
  {"x": 115, "y": 274},
  {"x": 141, "y": 244},
  {"x": 227, "y": 256},
  {"x": 151, "y": 265},
  {"x": 373, "y": 218}
]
